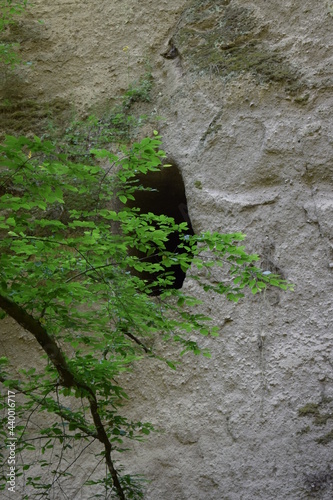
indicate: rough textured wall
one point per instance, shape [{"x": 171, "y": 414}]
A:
[{"x": 245, "y": 88}]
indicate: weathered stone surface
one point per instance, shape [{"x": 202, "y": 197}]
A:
[{"x": 255, "y": 151}]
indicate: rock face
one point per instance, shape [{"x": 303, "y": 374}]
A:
[{"x": 245, "y": 89}]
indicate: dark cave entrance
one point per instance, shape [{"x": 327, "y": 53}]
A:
[{"x": 168, "y": 198}]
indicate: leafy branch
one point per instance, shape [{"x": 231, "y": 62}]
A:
[{"x": 78, "y": 284}]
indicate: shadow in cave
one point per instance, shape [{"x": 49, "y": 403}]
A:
[{"x": 168, "y": 198}]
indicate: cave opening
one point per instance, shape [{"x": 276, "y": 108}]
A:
[{"x": 166, "y": 198}]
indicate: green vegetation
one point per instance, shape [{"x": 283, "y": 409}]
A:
[
  {"x": 313, "y": 410},
  {"x": 9, "y": 9},
  {"x": 319, "y": 417},
  {"x": 55, "y": 121},
  {"x": 20, "y": 115},
  {"x": 66, "y": 277},
  {"x": 327, "y": 438},
  {"x": 116, "y": 127},
  {"x": 72, "y": 256},
  {"x": 217, "y": 38}
]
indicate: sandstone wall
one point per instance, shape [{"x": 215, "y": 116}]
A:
[{"x": 247, "y": 101}]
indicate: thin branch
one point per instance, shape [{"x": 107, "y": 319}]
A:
[
  {"x": 88, "y": 271},
  {"x": 67, "y": 377},
  {"x": 46, "y": 341},
  {"x": 136, "y": 340},
  {"x": 58, "y": 411},
  {"x": 73, "y": 462},
  {"x": 103, "y": 438}
]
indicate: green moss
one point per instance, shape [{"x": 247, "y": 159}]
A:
[
  {"x": 327, "y": 438},
  {"x": 321, "y": 419},
  {"x": 22, "y": 116},
  {"x": 214, "y": 37},
  {"x": 305, "y": 430},
  {"x": 302, "y": 99},
  {"x": 198, "y": 184},
  {"x": 308, "y": 409},
  {"x": 313, "y": 410},
  {"x": 54, "y": 118}
]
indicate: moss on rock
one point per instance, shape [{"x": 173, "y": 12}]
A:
[
  {"x": 326, "y": 439},
  {"x": 24, "y": 116},
  {"x": 319, "y": 418},
  {"x": 217, "y": 38},
  {"x": 313, "y": 410}
]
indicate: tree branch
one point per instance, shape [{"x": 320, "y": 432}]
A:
[
  {"x": 136, "y": 340},
  {"x": 56, "y": 408},
  {"x": 67, "y": 377},
  {"x": 46, "y": 341}
]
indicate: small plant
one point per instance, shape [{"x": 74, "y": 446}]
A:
[
  {"x": 114, "y": 128},
  {"x": 138, "y": 91}
]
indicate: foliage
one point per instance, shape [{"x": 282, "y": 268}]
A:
[
  {"x": 138, "y": 91},
  {"x": 9, "y": 10},
  {"x": 115, "y": 127},
  {"x": 70, "y": 275}
]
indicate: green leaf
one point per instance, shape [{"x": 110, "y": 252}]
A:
[
  {"x": 87, "y": 277},
  {"x": 181, "y": 301},
  {"x": 11, "y": 221},
  {"x": 171, "y": 365}
]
